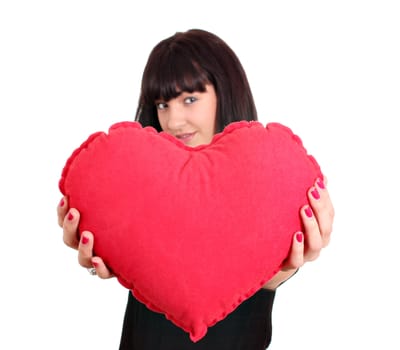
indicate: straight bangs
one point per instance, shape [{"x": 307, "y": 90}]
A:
[{"x": 173, "y": 74}]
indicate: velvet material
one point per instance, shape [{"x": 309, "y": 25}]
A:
[{"x": 193, "y": 232}]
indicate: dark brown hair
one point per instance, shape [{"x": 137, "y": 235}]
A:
[{"x": 187, "y": 61}]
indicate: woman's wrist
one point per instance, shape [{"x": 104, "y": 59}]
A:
[{"x": 279, "y": 278}]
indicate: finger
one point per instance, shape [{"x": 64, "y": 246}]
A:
[
  {"x": 295, "y": 258},
  {"x": 70, "y": 228},
  {"x": 62, "y": 209},
  {"x": 321, "y": 204},
  {"x": 312, "y": 235},
  {"x": 325, "y": 180},
  {"x": 85, "y": 249},
  {"x": 101, "y": 268}
]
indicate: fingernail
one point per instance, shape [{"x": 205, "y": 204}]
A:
[
  {"x": 61, "y": 204},
  {"x": 84, "y": 240},
  {"x": 315, "y": 194},
  {"x": 299, "y": 237},
  {"x": 320, "y": 184},
  {"x": 95, "y": 264},
  {"x": 70, "y": 216},
  {"x": 308, "y": 212}
]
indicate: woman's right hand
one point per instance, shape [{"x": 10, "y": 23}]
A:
[{"x": 68, "y": 219}]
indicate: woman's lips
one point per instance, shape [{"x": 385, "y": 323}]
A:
[{"x": 185, "y": 138}]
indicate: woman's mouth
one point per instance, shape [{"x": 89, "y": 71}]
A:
[{"x": 185, "y": 138}]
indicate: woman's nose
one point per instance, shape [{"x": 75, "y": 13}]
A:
[{"x": 176, "y": 118}]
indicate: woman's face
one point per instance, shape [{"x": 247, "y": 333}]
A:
[{"x": 190, "y": 117}]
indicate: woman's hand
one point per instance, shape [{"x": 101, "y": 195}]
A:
[
  {"x": 317, "y": 218},
  {"x": 68, "y": 219}
]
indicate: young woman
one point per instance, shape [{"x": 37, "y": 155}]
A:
[{"x": 193, "y": 86}]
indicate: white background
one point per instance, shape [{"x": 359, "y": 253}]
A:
[{"x": 328, "y": 69}]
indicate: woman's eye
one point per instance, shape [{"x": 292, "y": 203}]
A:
[
  {"x": 161, "y": 105},
  {"x": 191, "y": 99}
]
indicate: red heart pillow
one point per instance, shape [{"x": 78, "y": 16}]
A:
[{"x": 193, "y": 232}]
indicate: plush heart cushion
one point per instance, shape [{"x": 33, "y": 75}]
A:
[{"x": 193, "y": 232}]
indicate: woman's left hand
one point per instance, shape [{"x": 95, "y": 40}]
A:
[{"x": 317, "y": 218}]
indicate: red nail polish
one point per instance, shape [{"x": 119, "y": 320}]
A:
[
  {"x": 70, "y": 216},
  {"x": 308, "y": 212},
  {"x": 84, "y": 240},
  {"x": 320, "y": 184},
  {"x": 299, "y": 237},
  {"x": 95, "y": 264},
  {"x": 61, "y": 204},
  {"x": 315, "y": 194}
]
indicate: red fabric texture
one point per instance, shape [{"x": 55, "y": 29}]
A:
[{"x": 193, "y": 232}]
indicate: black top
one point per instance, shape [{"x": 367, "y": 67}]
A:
[{"x": 248, "y": 327}]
